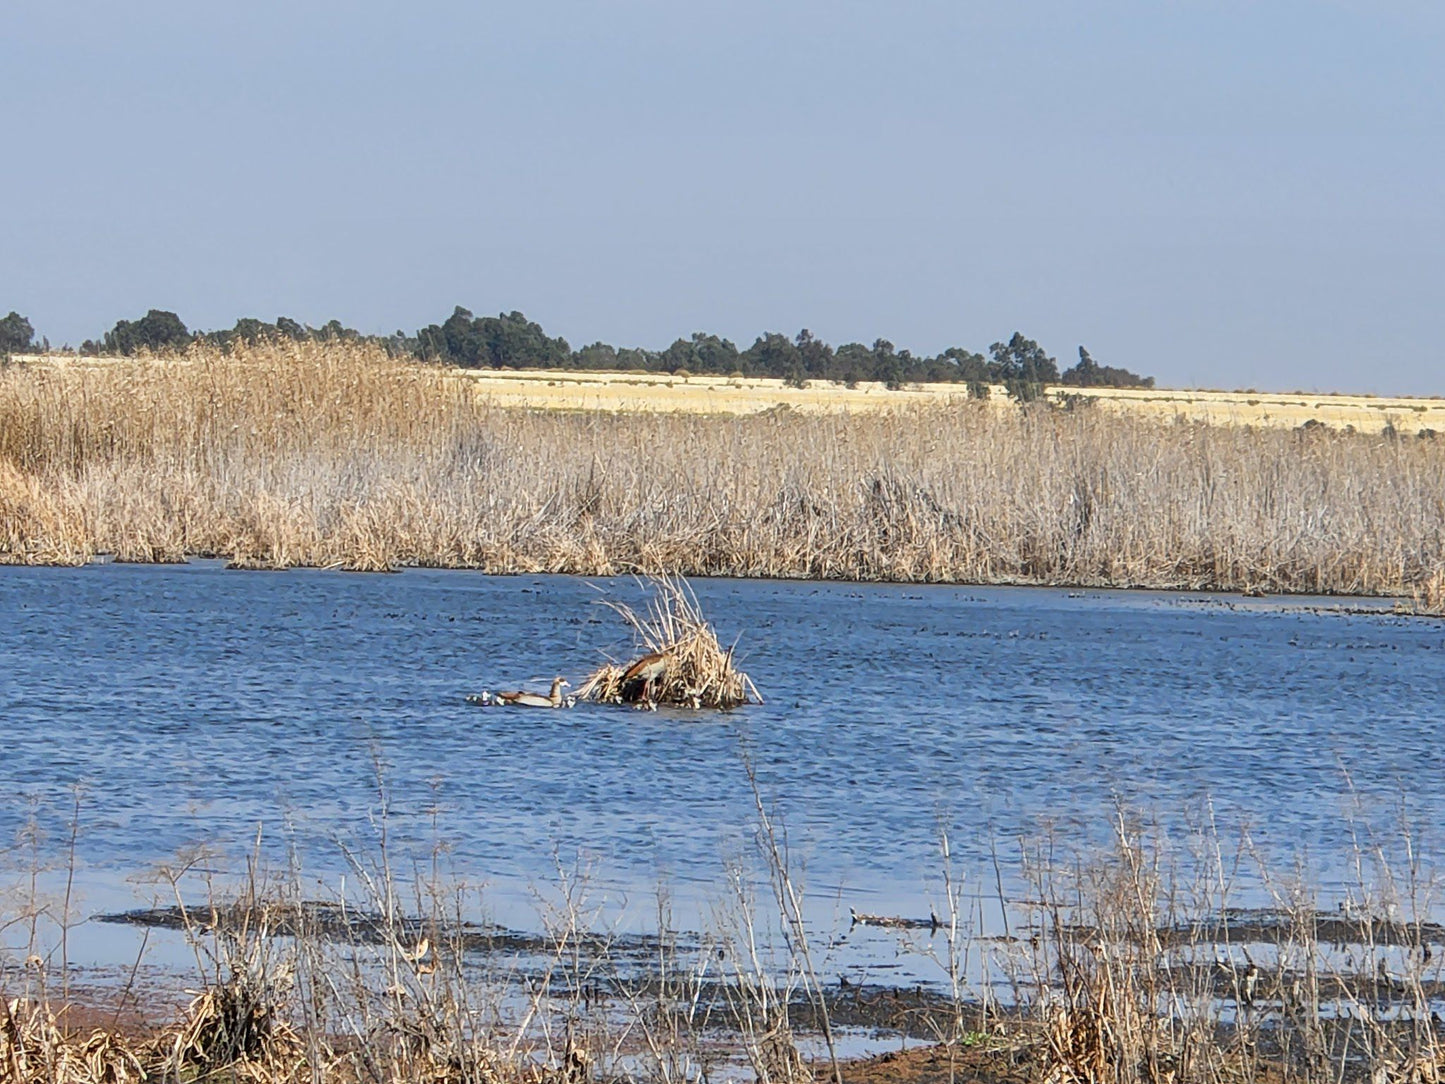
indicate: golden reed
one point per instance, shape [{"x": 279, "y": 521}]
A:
[{"x": 332, "y": 455}]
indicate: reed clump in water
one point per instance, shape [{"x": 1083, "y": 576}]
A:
[
  {"x": 683, "y": 664},
  {"x": 333, "y": 455}
]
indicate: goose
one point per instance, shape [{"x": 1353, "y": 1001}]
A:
[
  {"x": 523, "y": 699},
  {"x": 639, "y": 678}
]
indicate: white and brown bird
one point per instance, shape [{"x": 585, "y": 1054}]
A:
[{"x": 524, "y": 699}]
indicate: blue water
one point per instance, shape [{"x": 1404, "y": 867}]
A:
[{"x": 186, "y": 707}]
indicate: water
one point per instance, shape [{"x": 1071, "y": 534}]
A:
[{"x": 190, "y": 706}]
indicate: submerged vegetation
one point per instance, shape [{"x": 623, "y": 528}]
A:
[{"x": 336, "y": 455}]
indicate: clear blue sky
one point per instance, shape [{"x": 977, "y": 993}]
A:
[{"x": 1219, "y": 193}]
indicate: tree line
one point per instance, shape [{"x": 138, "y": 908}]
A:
[{"x": 510, "y": 340}]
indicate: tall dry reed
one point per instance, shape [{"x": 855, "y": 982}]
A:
[{"x": 333, "y": 455}]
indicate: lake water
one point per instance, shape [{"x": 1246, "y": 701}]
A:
[{"x": 189, "y": 705}]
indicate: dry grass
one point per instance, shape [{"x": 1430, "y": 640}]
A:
[
  {"x": 1132, "y": 965},
  {"x": 333, "y": 456},
  {"x": 694, "y": 669}
]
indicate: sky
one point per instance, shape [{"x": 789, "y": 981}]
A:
[{"x": 1222, "y": 194}]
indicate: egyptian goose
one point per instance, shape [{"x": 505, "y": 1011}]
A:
[{"x": 523, "y": 699}]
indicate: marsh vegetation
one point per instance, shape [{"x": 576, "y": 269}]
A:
[
  {"x": 335, "y": 455},
  {"x": 1133, "y": 962}
]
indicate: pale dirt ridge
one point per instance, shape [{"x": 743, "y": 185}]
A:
[{"x": 542, "y": 389}]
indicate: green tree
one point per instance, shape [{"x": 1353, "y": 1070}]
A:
[
  {"x": 712, "y": 354},
  {"x": 506, "y": 339},
  {"x": 597, "y": 356},
  {"x": 16, "y": 335},
  {"x": 852, "y": 363},
  {"x": 774, "y": 355},
  {"x": 156, "y": 330},
  {"x": 1088, "y": 373},
  {"x": 514, "y": 340},
  {"x": 814, "y": 356},
  {"x": 248, "y": 330},
  {"x": 290, "y": 329},
  {"x": 887, "y": 365},
  {"x": 680, "y": 355},
  {"x": 1023, "y": 368},
  {"x": 965, "y": 365}
]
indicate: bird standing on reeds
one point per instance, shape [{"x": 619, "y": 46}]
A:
[{"x": 640, "y": 680}]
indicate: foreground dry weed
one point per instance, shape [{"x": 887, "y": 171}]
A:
[
  {"x": 335, "y": 456},
  {"x": 1132, "y": 965}
]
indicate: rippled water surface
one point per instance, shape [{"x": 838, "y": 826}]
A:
[{"x": 189, "y": 705}]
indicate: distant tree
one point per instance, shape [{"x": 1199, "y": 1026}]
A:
[
  {"x": 156, "y": 330},
  {"x": 16, "y": 335},
  {"x": 336, "y": 331},
  {"x": 248, "y": 330},
  {"x": 252, "y": 331},
  {"x": 967, "y": 366},
  {"x": 852, "y": 363},
  {"x": 1088, "y": 373},
  {"x": 458, "y": 340},
  {"x": 514, "y": 340},
  {"x": 597, "y": 356},
  {"x": 290, "y": 329},
  {"x": 680, "y": 355},
  {"x": 815, "y": 357},
  {"x": 633, "y": 358},
  {"x": 887, "y": 365},
  {"x": 506, "y": 339},
  {"x": 1022, "y": 367},
  {"x": 774, "y": 355},
  {"x": 712, "y": 354}
]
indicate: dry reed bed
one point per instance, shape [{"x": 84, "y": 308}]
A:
[{"x": 333, "y": 456}]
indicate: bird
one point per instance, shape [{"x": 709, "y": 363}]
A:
[
  {"x": 483, "y": 699},
  {"x": 640, "y": 677},
  {"x": 523, "y": 699}
]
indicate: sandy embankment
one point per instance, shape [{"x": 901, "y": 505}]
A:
[{"x": 573, "y": 389}]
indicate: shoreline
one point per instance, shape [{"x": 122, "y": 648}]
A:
[
  {"x": 1278, "y": 601},
  {"x": 245, "y": 1007}
]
